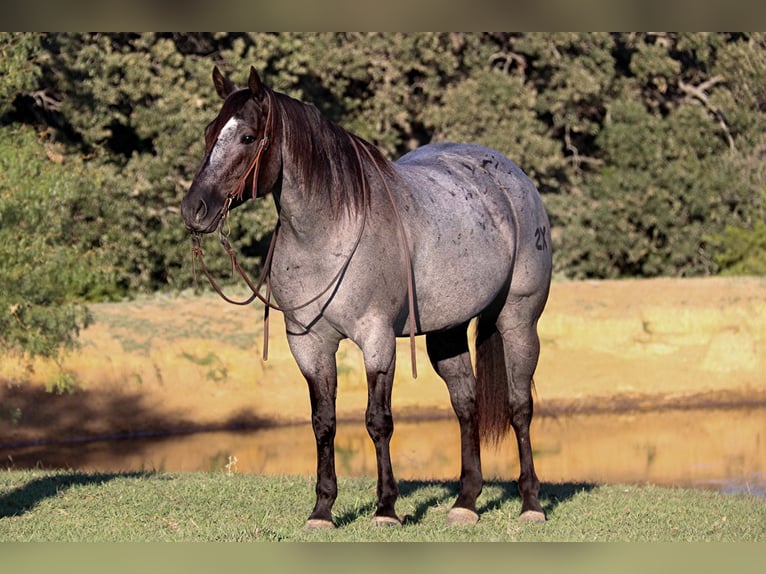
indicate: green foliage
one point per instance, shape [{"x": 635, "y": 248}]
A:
[
  {"x": 673, "y": 168},
  {"x": 51, "y": 259},
  {"x": 647, "y": 147},
  {"x": 742, "y": 251},
  {"x": 139, "y": 106},
  {"x": 18, "y": 72},
  {"x": 649, "y": 211}
]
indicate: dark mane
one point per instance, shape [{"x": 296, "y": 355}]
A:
[{"x": 326, "y": 158}]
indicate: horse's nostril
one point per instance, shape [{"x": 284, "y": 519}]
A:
[{"x": 201, "y": 212}]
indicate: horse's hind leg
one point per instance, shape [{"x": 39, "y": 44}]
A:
[
  {"x": 448, "y": 352},
  {"x": 517, "y": 324}
]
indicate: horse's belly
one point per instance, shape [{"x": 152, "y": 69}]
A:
[{"x": 451, "y": 290}]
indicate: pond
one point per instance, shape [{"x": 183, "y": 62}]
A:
[{"x": 724, "y": 449}]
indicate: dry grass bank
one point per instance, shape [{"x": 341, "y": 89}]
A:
[{"x": 169, "y": 363}]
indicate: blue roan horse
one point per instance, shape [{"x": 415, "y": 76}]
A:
[{"x": 370, "y": 250}]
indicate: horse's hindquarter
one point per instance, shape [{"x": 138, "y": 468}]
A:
[{"x": 477, "y": 223}]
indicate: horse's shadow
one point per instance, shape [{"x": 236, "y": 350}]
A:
[
  {"x": 26, "y": 497},
  {"x": 499, "y": 492}
]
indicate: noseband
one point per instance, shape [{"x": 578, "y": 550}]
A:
[{"x": 265, "y": 276}]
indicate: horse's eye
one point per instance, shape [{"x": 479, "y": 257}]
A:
[{"x": 247, "y": 139}]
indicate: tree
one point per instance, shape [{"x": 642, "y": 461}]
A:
[
  {"x": 19, "y": 73},
  {"x": 646, "y": 146},
  {"x": 51, "y": 258}
]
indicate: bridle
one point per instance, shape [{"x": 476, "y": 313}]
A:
[{"x": 253, "y": 170}]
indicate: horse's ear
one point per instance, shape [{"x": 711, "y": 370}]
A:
[
  {"x": 255, "y": 85},
  {"x": 223, "y": 85}
]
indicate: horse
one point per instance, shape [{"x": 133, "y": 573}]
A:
[{"x": 370, "y": 250}]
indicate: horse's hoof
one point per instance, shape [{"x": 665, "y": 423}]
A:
[
  {"x": 319, "y": 524},
  {"x": 386, "y": 521},
  {"x": 532, "y": 516},
  {"x": 462, "y": 516}
]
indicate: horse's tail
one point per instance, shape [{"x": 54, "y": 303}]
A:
[{"x": 492, "y": 384}]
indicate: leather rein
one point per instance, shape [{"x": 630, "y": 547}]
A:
[{"x": 265, "y": 276}]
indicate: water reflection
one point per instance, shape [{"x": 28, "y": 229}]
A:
[{"x": 713, "y": 448}]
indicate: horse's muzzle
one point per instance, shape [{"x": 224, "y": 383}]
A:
[{"x": 197, "y": 217}]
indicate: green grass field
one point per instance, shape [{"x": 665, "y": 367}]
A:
[{"x": 78, "y": 507}]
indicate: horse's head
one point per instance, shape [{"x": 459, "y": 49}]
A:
[{"x": 236, "y": 145}]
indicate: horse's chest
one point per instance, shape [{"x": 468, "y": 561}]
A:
[{"x": 316, "y": 280}]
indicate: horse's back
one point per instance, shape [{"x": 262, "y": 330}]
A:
[
  {"x": 476, "y": 168},
  {"x": 483, "y": 181}
]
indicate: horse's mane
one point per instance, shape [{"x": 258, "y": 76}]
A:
[{"x": 333, "y": 164}]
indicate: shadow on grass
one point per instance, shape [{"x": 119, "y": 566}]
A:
[
  {"x": 25, "y": 498},
  {"x": 551, "y": 496}
]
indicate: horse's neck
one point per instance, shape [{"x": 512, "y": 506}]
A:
[
  {"x": 311, "y": 250},
  {"x": 304, "y": 221},
  {"x": 308, "y": 217}
]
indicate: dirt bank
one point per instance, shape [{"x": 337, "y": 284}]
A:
[{"x": 171, "y": 363}]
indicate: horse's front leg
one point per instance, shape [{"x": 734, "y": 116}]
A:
[
  {"x": 316, "y": 360},
  {"x": 379, "y": 360}
]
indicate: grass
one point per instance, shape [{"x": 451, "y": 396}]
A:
[
  {"x": 73, "y": 506},
  {"x": 139, "y": 325}
]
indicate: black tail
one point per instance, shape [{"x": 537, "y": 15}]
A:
[{"x": 492, "y": 400}]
